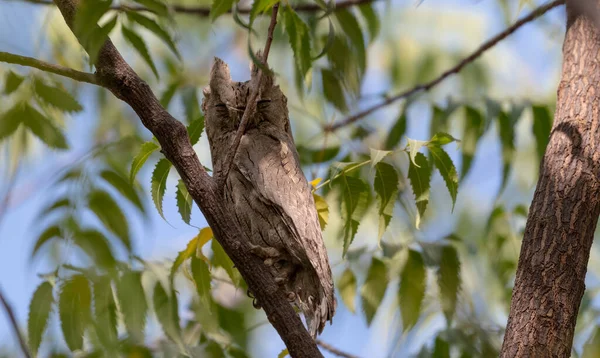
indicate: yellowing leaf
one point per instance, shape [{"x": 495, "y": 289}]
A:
[
  {"x": 322, "y": 210},
  {"x": 315, "y": 182}
]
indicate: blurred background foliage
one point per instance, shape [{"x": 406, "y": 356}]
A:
[{"x": 423, "y": 202}]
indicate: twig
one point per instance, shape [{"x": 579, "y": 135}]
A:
[
  {"x": 204, "y": 11},
  {"x": 48, "y": 67},
  {"x": 472, "y": 57},
  {"x": 15, "y": 326},
  {"x": 250, "y": 104},
  {"x": 331, "y": 349}
]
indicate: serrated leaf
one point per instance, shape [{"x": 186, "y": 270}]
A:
[
  {"x": 542, "y": 124},
  {"x": 386, "y": 188},
  {"x": 397, "y": 131},
  {"x": 444, "y": 164},
  {"x": 329, "y": 42},
  {"x": 48, "y": 234},
  {"x": 322, "y": 210},
  {"x": 411, "y": 293},
  {"x": 195, "y": 129},
  {"x": 220, "y": 7},
  {"x": 414, "y": 146},
  {"x": 193, "y": 247},
  {"x": 378, "y": 155},
  {"x": 132, "y": 301},
  {"x": 12, "y": 81},
  {"x": 39, "y": 311},
  {"x": 153, "y": 26},
  {"x": 10, "y": 120},
  {"x": 139, "y": 45},
  {"x": 419, "y": 175},
  {"x": 441, "y": 349},
  {"x": 138, "y": 161},
  {"x": 260, "y": 7},
  {"x": 507, "y": 138},
  {"x": 201, "y": 275},
  {"x": 107, "y": 210},
  {"x": 220, "y": 259},
  {"x": 372, "y": 20},
  {"x": 56, "y": 96},
  {"x": 354, "y": 198},
  {"x": 96, "y": 246},
  {"x": 105, "y": 310},
  {"x": 123, "y": 186},
  {"x": 299, "y": 37},
  {"x": 43, "y": 128},
  {"x": 352, "y": 28},
  {"x": 441, "y": 138},
  {"x": 312, "y": 156},
  {"x": 473, "y": 130},
  {"x": 347, "y": 287},
  {"x": 159, "y": 183},
  {"x": 448, "y": 277},
  {"x": 74, "y": 309},
  {"x": 374, "y": 288},
  {"x": 167, "y": 312},
  {"x": 184, "y": 202},
  {"x": 156, "y": 6},
  {"x": 333, "y": 91}
]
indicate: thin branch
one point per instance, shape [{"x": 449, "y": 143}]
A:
[
  {"x": 48, "y": 67},
  {"x": 331, "y": 349},
  {"x": 13, "y": 323},
  {"x": 204, "y": 11},
  {"x": 472, "y": 57},
  {"x": 250, "y": 104}
]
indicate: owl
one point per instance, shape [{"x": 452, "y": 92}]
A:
[{"x": 268, "y": 192}]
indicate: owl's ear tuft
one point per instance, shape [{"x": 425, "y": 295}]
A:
[{"x": 219, "y": 74}]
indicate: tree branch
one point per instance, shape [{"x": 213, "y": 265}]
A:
[
  {"x": 113, "y": 73},
  {"x": 250, "y": 104},
  {"x": 204, "y": 11},
  {"x": 457, "y": 68},
  {"x": 13, "y": 323},
  {"x": 331, "y": 349},
  {"x": 48, "y": 67}
]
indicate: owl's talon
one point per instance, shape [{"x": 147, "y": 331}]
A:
[{"x": 255, "y": 304}]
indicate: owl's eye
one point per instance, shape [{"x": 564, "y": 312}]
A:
[
  {"x": 263, "y": 103},
  {"x": 220, "y": 105}
]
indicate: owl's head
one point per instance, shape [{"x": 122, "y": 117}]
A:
[{"x": 225, "y": 100}]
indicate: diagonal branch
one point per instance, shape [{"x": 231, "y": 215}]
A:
[
  {"x": 333, "y": 350},
  {"x": 113, "y": 73},
  {"x": 204, "y": 11},
  {"x": 48, "y": 67},
  {"x": 424, "y": 87},
  {"x": 14, "y": 324},
  {"x": 251, "y": 104}
]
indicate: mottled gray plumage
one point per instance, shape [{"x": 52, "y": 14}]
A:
[{"x": 268, "y": 191}]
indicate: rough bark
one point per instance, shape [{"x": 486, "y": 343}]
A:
[
  {"x": 116, "y": 75},
  {"x": 562, "y": 219}
]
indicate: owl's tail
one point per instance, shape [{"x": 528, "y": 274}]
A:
[{"x": 316, "y": 300}]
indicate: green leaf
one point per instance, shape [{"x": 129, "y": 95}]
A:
[
  {"x": 220, "y": 7},
  {"x": 74, "y": 309},
  {"x": 167, "y": 312},
  {"x": 419, "y": 175},
  {"x": 542, "y": 124},
  {"x": 139, "y": 44},
  {"x": 135, "y": 351},
  {"x": 48, "y": 234},
  {"x": 440, "y": 139},
  {"x": 168, "y": 94},
  {"x": 284, "y": 353},
  {"x": 411, "y": 293},
  {"x": 43, "y": 128},
  {"x": 442, "y": 161},
  {"x": 88, "y": 14},
  {"x": 96, "y": 39},
  {"x": 62, "y": 203},
  {"x": 448, "y": 277},
  {"x": 352, "y": 28},
  {"x": 12, "y": 81},
  {"x": 507, "y": 137},
  {"x": 333, "y": 90},
  {"x": 386, "y": 188},
  {"x": 105, "y": 310},
  {"x": 220, "y": 259},
  {"x": 123, "y": 186},
  {"x": 39, "y": 311},
  {"x": 592, "y": 348},
  {"x": 312, "y": 156},
  {"x": 201, "y": 276},
  {"x": 374, "y": 288},
  {"x": 195, "y": 129},
  {"x": 322, "y": 210},
  {"x": 156, "y": 6},
  {"x": 107, "y": 210},
  {"x": 159, "y": 183},
  {"x": 132, "y": 301},
  {"x": 329, "y": 43},
  {"x": 96, "y": 246},
  {"x": 354, "y": 196},
  {"x": 397, "y": 131},
  {"x": 441, "y": 348},
  {"x": 155, "y": 28},
  {"x": 473, "y": 130},
  {"x": 378, "y": 155},
  {"x": 139, "y": 160},
  {"x": 184, "y": 202},
  {"x": 347, "y": 287},
  {"x": 10, "y": 120},
  {"x": 372, "y": 20},
  {"x": 260, "y": 7},
  {"x": 56, "y": 96},
  {"x": 192, "y": 247},
  {"x": 299, "y": 37}
]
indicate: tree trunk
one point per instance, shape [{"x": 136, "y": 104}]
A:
[{"x": 562, "y": 219}]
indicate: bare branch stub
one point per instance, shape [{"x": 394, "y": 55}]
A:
[
  {"x": 424, "y": 87},
  {"x": 15, "y": 326}
]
